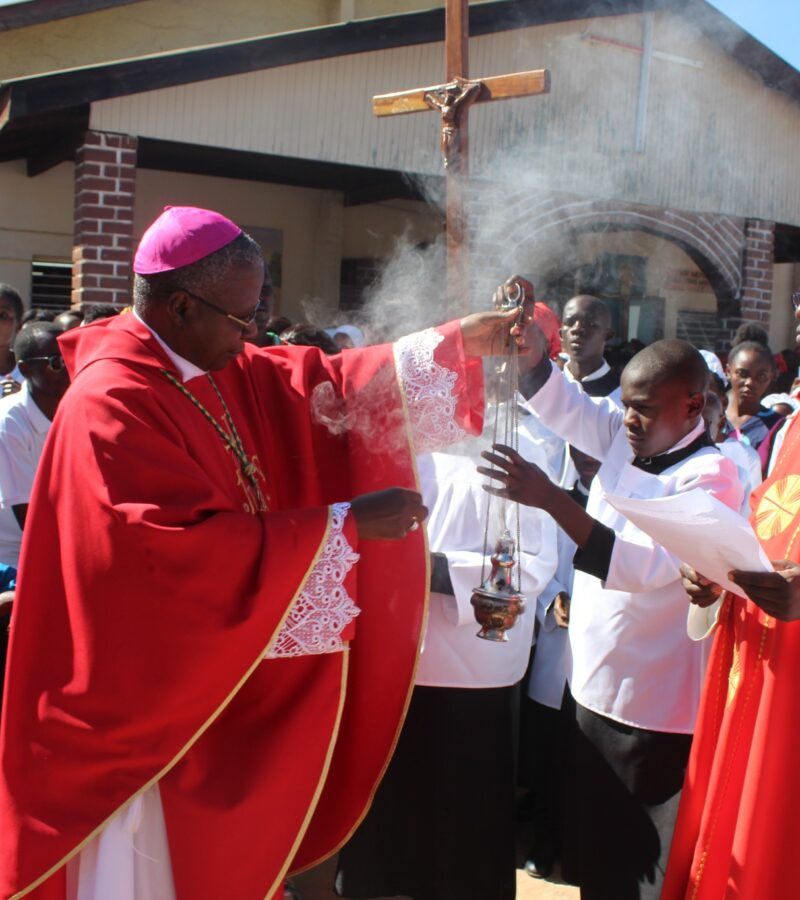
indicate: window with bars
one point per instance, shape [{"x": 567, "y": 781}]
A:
[
  {"x": 698, "y": 327},
  {"x": 51, "y": 284}
]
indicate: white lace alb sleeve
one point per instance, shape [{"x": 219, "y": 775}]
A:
[
  {"x": 323, "y": 608},
  {"x": 428, "y": 389}
]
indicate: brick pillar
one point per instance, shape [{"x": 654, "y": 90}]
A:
[
  {"x": 105, "y": 189},
  {"x": 759, "y": 254},
  {"x": 756, "y": 291}
]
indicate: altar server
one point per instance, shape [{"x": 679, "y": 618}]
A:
[{"x": 635, "y": 675}]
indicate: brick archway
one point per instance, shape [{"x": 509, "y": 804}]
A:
[
  {"x": 733, "y": 253},
  {"x": 714, "y": 243}
]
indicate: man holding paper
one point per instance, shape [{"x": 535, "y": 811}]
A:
[
  {"x": 636, "y": 677},
  {"x": 738, "y": 821}
]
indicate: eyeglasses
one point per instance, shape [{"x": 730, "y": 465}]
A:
[
  {"x": 244, "y": 324},
  {"x": 55, "y": 362},
  {"x": 796, "y": 301}
]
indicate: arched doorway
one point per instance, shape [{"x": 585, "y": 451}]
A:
[{"x": 663, "y": 273}]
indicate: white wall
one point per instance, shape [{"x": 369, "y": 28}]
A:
[
  {"x": 717, "y": 139},
  {"x": 35, "y": 220}
]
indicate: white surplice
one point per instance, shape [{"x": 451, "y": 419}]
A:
[
  {"x": 748, "y": 465},
  {"x": 452, "y": 655},
  {"x": 632, "y": 660}
]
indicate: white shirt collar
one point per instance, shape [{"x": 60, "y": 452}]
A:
[
  {"x": 581, "y": 489},
  {"x": 687, "y": 439},
  {"x": 598, "y": 373},
  {"x": 38, "y": 419},
  {"x": 186, "y": 369}
]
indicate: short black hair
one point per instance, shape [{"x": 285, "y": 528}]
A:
[
  {"x": 671, "y": 360},
  {"x": 91, "y": 312},
  {"x": 596, "y": 304},
  {"x": 308, "y": 336},
  {"x": 750, "y": 332},
  {"x": 32, "y": 337},
  {"x": 279, "y": 324},
  {"x": 74, "y": 311},
  {"x": 37, "y": 314},
  {"x": 12, "y": 295},
  {"x": 756, "y": 347}
]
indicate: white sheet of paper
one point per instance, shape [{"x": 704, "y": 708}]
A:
[{"x": 700, "y": 531}]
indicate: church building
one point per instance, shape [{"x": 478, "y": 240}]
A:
[{"x": 660, "y": 170}]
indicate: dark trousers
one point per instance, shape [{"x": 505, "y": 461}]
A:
[
  {"x": 541, "y": 771},
  {"x": 622, "y": 794}
]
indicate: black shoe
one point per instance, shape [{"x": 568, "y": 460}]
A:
[{"x": 540, "y": 862}]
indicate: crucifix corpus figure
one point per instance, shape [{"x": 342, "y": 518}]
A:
[{"x": 452, "y": 100}]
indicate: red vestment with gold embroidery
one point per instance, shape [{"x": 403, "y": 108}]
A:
[
  {"x": 738, "y": 823},
  {"x": 151, "y": 587}
]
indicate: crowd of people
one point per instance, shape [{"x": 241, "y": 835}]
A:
[{"x": 235, "y": 651}]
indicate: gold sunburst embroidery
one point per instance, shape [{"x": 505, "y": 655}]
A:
[
  {"x": 778, "y": 507},
  {"x": 734, "y": 675}
]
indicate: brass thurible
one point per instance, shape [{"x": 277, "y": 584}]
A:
[{"x": 497, "y": 603}]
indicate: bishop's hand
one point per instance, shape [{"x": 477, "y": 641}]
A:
[
  {"x": 531, "y": 342},
  {"x": 777, "y": 593},
  {"x": 491, "y": 333},
  {"x": 388, "y": 514}
]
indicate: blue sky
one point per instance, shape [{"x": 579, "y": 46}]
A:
[{"x": 775, "y": 23}]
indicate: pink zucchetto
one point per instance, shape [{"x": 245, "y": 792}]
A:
[{"x": 180, "y": 236}]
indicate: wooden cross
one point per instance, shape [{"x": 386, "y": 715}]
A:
[{"x": 452, "y": 100}]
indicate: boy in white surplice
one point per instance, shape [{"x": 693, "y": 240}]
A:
[{"x": 635, "y": 676}]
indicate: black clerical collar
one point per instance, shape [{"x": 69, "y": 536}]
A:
[{"x": 655, "y": 465}]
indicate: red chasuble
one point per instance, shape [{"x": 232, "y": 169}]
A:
[
  {"x": 738, "y": 824},
  {"x": 151, "y": 587}
]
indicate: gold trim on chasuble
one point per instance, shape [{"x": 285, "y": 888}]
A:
[
  {"x": 734, "y": 680},
  {"x": 734, "y": 674},
  {"x": 199, "y": 733},
  {"x": 345, "y": 656},
  {"x": 776, "y": 512},
  {"x": 425, "y": 606},
  {"x": 778, "y": 507}
]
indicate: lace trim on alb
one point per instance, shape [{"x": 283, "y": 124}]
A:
[
  {"x": 323, "y": 608},
  {"x": 429, "y": 391}
]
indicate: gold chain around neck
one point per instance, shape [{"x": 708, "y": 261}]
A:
[{"x": 231, "y": 440}]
